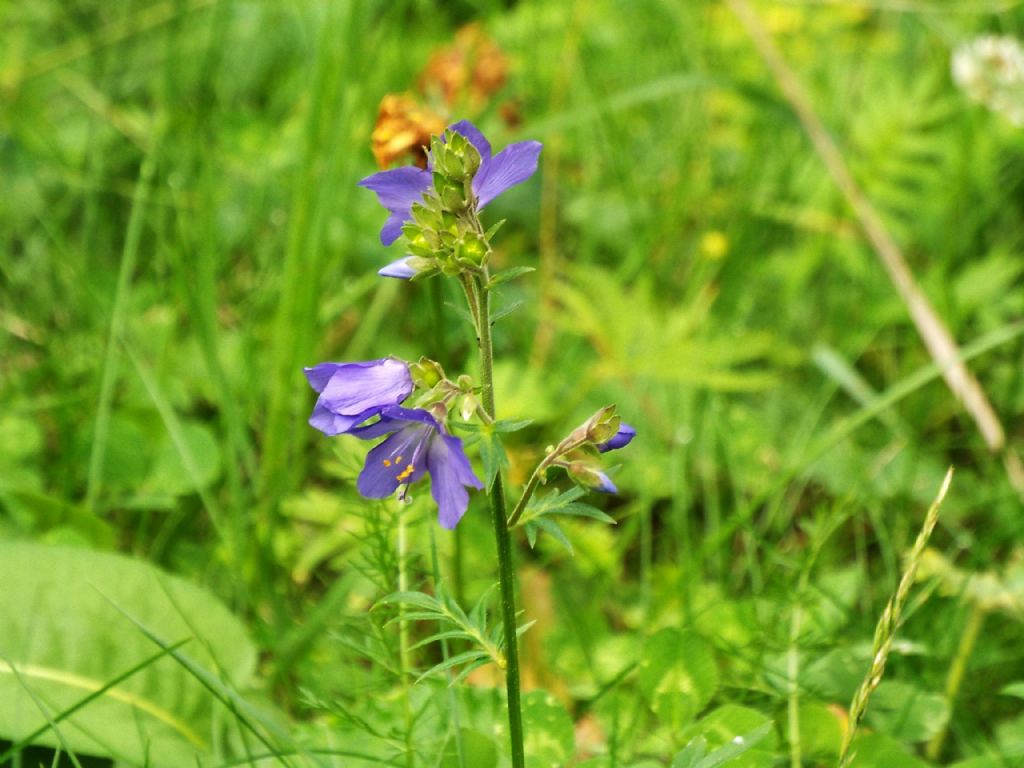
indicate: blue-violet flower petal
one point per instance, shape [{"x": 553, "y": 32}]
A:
[
  {"x": 351, "y": 393},
  {"x": 417, "y": 444}
]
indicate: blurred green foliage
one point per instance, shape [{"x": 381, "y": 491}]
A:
[{"x": 180, "y": 232}]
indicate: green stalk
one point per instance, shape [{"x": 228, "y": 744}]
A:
[
  {"x": 972, "y": 630},
  {"x": 403, "y": 636},
  {"x": 503, "y": 541},
  {"x": 885, "y": 630}
]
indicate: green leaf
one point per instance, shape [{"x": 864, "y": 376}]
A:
[
  {"x": 692, "y": 754},
  {"x": 550, "y": 739},
  {"x": 420, "y": 600},
  {"x": 188, "y": 467},
  {"x": 506, "y": 310},
  {"x": 741, "y": 736},
  {"x": 677, "y": 675},
  {"x": 875, "y": 750},
  {"x": 552, "y": 528},
  {"x": 454, "y": 661},
  {"x": 1013, "y": 689},
  {"x": 821, "y": 731},
  {"x": 906, "y": 712},
  {"x": 510, "y": 274},
  {"x": 62, "y": 640},
  {"x": 492, "y": 453},
  {"x": 511, "y": 425},
  {"x": 474, "y": 747},
  {"x": 562, "y": 503}
]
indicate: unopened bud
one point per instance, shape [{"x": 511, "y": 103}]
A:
[
  {"x": 598, "y": 429},
  {"x": 426, "y": 373},
  {"x": 473, "y": 250},
  {"x": 451, "y": 193},
  {"x": 467, "y": 405},
  {"x": 590, "y": 477}
]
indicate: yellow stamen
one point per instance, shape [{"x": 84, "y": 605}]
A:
[
  {"x": 404, "y": 473},
  {"x": 387, "y": 462}
]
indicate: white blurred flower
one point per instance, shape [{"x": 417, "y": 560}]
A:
[{"x": 990, "y": 70}]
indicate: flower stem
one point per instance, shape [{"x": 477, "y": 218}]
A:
[
  {"x": 403, "y": 636},
  {"x": 972, "y": 630},
  {"x": 503, "y": 541}
]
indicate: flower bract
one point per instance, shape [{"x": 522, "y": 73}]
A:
[
  {"x": 398, "y": 189},
  {"x": 351, "y": 393},
  {"x": 417, "y": 445}
]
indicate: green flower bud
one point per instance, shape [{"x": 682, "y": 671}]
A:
[
  {"x": 416, "y": 243},
  {"x": 425, "y": 218},
  {"x": 426, "y": 373},
  {"x": 471, "y": 160},
  {"x": 590, "y": 476},
  {"x": 467, "y": 405},
  {"x": 473, "y": 250},
  {"x": 451, "y": 193},
  {"x": 599, "y": 428}
]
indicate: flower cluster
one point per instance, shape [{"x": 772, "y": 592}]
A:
[
  {"x": 436, "y": 212},
  {"x": 418, "y": 442},
  {"x": 602, "y": 432},
  {"x": 990, "y": 70},
  {"x": 436, "y": 208}
]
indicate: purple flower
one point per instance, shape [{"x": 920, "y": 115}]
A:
[
  {"x": 398, "y": 189},
  {"x": 620, "y": 439},
  {"x": 417, "y": 444},
  {"x": 350, "y": 393}
]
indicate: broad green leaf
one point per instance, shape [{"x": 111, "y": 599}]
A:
[
  {"x": 741, "y": 736},
  {"x": 677, "y": 675},
  {"x": 471, "y": 748},
  {"x": 821, "y": 730},
  {"x": 875, "y": 750},
  {"x": 185, "y": 468},
  {"x": 907, "y": 713},
  {"x": 550, "y": 740},
  {"x": 64, "y": 637},
  {"x": 21, "y": 438},
  {"x": 692, "y": 754},
  {"x": 1013, "y": 689},
  {"x": 492, "y": 453},
  {"x": 980, "y": 762}
]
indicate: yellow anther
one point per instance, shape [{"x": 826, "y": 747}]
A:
[
  {"x": 387, "y": 462},
  {"x": 398, "y": 459},
  {"x": 404, "y": 473}
]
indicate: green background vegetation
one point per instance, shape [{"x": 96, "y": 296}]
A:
[{"x": 180, "y": 232}]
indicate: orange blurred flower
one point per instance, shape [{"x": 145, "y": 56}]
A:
[
  {"x": 459, "y": 78},
  {"x": 403, "y": 129},
  {"x": 471, "y": 69}
]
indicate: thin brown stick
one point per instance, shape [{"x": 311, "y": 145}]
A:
[{"x": 939, "y": 341}]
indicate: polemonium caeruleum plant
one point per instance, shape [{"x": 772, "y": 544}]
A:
[{"x": 436, "y": 213}]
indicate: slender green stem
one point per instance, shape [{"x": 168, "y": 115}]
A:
[
  {"x": 531, "y": 486},
  {"x": 403, "y": 636},
  {"x": 569, "y": 444},
  {"x": 503, "y": 541},
  {"x": 885, "y": 630},
  {"x": 972, "y": 630}
]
